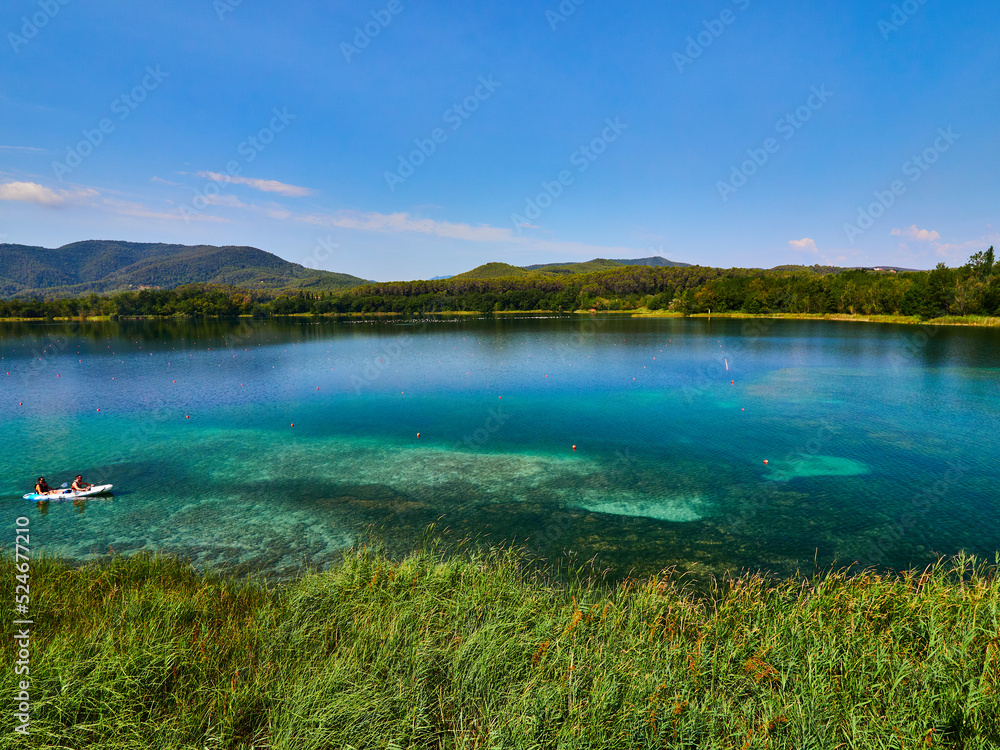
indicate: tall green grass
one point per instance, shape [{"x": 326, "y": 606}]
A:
[{"x": 485, "y": 651}]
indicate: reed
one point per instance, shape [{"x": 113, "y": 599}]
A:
[{"x": 486, "y": 651}]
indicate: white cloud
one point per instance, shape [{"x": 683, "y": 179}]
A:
[
  {"x": 806, "y": 243},
  {"x": 164, "y": 182},
  {"x": 32, "y": 192},
  {"x": 919, "y": 235},
  {"x": 22, "y": 148},
  {"x": 267, "y": 186}
]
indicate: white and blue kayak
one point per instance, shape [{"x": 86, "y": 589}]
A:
[{"x": 71, "y": 494}]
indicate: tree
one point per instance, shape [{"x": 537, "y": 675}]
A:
[{"x": 982, "y": 264}]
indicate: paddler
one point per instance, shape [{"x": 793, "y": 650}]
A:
[
  {"x": 79, "y": 485},
  {"x": 42, "y": 488}
]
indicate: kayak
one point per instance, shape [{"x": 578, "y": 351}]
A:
[{"x": 70, "y": 494}]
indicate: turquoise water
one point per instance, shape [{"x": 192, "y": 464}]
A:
[{"x": 880, "y": 441}]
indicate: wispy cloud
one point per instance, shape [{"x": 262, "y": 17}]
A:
[
  {"x": 370, "y": 221},
  {"x": 806, "y": 243},
  {"x": 645, "y": 236},
  {"x": 270, "y": 210},
  {"x": 267, "y": 186},
  {"x": 32, "y": 192},
  {"x": 918, "y": 235},
  {"x": 164, "y": 182},
  {"x": 962, "y": 250},
  {"x": 579, "y": 249},
  {"x": 138, "y": 210},
  {"x": 22, "y": 148},
  {"x": 230, "y": 201}
]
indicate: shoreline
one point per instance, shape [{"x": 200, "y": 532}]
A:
[
  {"x": 976, "y": 321},
  {"x": 970, "y": 321}
]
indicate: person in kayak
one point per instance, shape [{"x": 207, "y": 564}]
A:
[
  {"x": 42, "y": 488},
  {"x": 79, "y": 485}
]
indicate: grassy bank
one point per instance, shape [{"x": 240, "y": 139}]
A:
[
  {"x": 480, "y": 653},
  {"x": 950, "y": 320}
]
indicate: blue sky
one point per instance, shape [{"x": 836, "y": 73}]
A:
[{"x": 398, "y": 139}]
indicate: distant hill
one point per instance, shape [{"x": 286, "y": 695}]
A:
[
  {"x": 493, "y": 271},
  {"x": 656, "y": 260},
  {"x": 598, "y": 264},
  {"x": 105, "y": 266},
  {"x": 603, "y": 264},
  {"x": 505, "y": 270}
]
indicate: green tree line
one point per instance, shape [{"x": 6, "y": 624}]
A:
[{"x": 972, "y": 289}]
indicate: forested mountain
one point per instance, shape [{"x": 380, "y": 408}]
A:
[
  {"x": 490, "y": 271},
  {"x": 104, "y": 266},
  {"x": 505, "y": 270},
  {"x": 604, "y": 264}
]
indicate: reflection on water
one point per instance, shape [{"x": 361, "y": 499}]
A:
[{"x": 711, "y": 445}]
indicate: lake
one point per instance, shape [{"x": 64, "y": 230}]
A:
[{"x": 713, "y": 445}]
